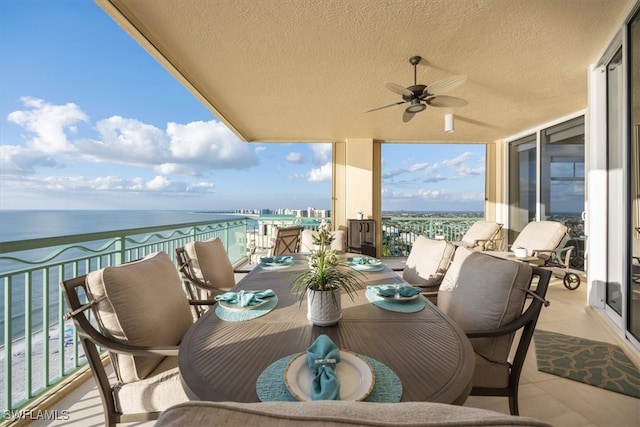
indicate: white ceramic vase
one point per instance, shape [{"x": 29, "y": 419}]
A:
[{"x": 324, "y": 308}]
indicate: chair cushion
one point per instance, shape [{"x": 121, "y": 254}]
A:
[
  {"x": 210, "y": 263},
  {"x": 323, "y": 413},
  {"x": 144, "y": 305},
  {"x": 540, "y": 235},
  {"x": 428, "y": 262},
  {"x": 481, "y": 292},
  {"x": 306, "y": 240},
  {"x": 480, "y": 230},
  {"x": 490, "y": 374},
  {"x": 161, "y": 389}
]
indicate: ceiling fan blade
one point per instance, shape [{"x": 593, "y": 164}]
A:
[
  {"x": 406, "y": 116},
  {"x": 386, "y": 106},
  {"x": 400, "y": 90},
  {"x": 445, "y": 85},
  {"x": 446, "y": 101}
]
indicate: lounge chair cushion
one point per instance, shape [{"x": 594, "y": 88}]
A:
[
  {"x": 323, "y": 413},
  {"x": 479, "y": 233},
  {"x": 481, "y": 292},
  {"x": 144, "y": 305},
  {"x": 210, "y": 263},
  {"x": 540, "y": 235},
  {"x": 428, "y": 262}
]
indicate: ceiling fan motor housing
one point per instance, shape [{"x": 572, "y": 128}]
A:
[{"x": 417, "y": 92}]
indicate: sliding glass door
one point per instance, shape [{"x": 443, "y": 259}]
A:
[
  {"x": 562, "y": 181},
  {"x": 523, "y": 174}
]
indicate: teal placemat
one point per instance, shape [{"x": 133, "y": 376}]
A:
[
  {"x": 270, "y": 385},
  {"x": 411, "y": 306},
  {"x": 242, "y": 315}
]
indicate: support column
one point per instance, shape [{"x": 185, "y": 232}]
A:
[{"x": 357, "y": 183}]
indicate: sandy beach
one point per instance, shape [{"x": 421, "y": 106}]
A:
[{"x": 19, "y": 362}]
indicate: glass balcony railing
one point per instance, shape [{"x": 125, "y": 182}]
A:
[{"x": 38, "y": 348}]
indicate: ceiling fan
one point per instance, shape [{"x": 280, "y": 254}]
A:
[{"x": 421, "y": 96}]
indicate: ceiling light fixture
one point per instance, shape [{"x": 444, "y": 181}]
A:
[
  {"x": 415, "y": 107},
  {"x": 448, "y": 123}
]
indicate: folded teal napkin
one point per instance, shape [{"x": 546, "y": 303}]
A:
[
  {"x": 245, "y": 298},
  {"x": 362, "y": 260},
  {"x": 276, "y": 259},
  {"x": 322, "y": 357},
  {"x": 391, "y": 290}
]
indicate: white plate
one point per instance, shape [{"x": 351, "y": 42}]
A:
[
  {"x": 355, "y": 375},
  {"x": 236, "y": 307},
  {"x": 367, "y": 267},
  {"x": 399, "y": 298}
]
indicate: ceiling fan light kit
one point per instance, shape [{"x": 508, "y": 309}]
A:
[{"x": 420, "y": 96}]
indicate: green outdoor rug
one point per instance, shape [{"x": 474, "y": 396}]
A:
[{"x": 592, "y": 362}]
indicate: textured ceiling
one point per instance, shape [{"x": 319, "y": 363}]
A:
[{"x": 308, "y": 70}]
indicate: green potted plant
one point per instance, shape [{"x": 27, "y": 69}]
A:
[{"x": 324, "y": 281}]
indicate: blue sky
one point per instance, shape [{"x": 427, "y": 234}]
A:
[{"x": 89, "y": 120}]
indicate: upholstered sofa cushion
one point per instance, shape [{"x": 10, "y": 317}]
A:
[
  {"x": 144, "y": 305},
  {"x": 540, "y": 235},
  {"x": 306, "y": 240},
  {"x": 210, "y": 263},
  {"x": 428, "y": 262},
  {"x": 334, "y": 413},
  {"x": 481, "y": 292}
]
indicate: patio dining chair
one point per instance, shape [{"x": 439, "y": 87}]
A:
[
  {"x": 206, "y": 270},
  {"x": 427, "y": 264},
  {"x": 481, "y": 236},
  {"x": 138, "y": 313},
  {"x": 486, "y": 296},
  {"x": 339, "y": 243},
  {"x": 287, "y": 240}
]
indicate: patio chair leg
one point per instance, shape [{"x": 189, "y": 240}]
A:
[{"x": 513, "y": 403}]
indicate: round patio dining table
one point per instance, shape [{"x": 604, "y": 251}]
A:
[{"x": 221, "y": 360}]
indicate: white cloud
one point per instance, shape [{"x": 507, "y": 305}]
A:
[
  {"x": 209, "y": 145},
  {"x": 20, "y": 160},
  {"x": 323, "y": 173},
  {"x": 102, "y": 184},
  {"x": 321, "y": 153},
  {"x": 294, "y": 157},
  {"x": 47, "y": 123},
  {"x": 191, "y": 149}
]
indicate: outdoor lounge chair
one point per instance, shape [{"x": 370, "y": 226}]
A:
[
  {"x": 206, "y": 270},
  {"x": 287, "y": 241},
  {"x": 481, "y": 236},
  {"x": 542, "y": 245},
  {"x": 485, "y": 296},
  {"x": 139, "y": 313}
]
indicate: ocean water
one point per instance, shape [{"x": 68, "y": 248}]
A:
[
  {"x": 27, "y": 224},
  {"x": 32, "y": 224}
]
